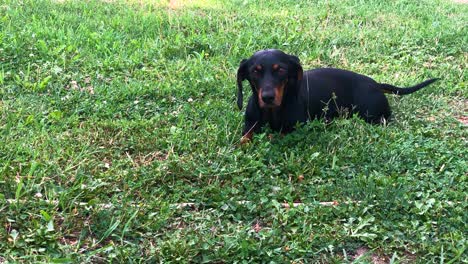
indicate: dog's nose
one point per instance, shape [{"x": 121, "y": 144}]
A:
[{"x": 268, "y": 98}]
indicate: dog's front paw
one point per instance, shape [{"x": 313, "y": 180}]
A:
[{"x": 247, "y": 138}]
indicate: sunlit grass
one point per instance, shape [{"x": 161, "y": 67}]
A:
[{"x": 119, "y": 134}]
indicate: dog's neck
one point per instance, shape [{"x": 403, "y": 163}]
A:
[
  {"x": 275, "y": 116},
  {"x": 272, "y": 116}
]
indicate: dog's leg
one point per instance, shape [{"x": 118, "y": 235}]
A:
[
  {"x": 253, "y": 121},
  {"x": 249, "y": 129},
  {"x": 374, "y": 107}
]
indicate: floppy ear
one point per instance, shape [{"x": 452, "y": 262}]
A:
[
  {"x": 241, "y": 75},
  {"x": 296, "y": 67}
]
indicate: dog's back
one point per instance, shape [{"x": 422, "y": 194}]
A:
[{"x": 330, "y": 92}]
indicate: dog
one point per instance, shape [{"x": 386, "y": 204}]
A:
[{"x": 283, "y": 95}]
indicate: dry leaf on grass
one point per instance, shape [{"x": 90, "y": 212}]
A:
[
  {"x": 257, "y": 227},
  {"x": 463, "y": 120}
]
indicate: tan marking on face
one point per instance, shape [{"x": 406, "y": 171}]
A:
[
  {"x": 260, "y": 101},
  {"x": 279, "y": 92},
  {"x": 275, "y": 67},
  {"x": 258, "y": 67}
]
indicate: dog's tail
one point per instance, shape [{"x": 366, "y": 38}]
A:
[{"x": 388, "y": 88}]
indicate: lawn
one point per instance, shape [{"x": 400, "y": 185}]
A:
[{"x": 119, "y": 135}]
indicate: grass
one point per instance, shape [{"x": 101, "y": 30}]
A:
[{"x": 114, "y": 113}]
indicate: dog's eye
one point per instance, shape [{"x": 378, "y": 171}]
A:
[{"x": 281, "y": 70}]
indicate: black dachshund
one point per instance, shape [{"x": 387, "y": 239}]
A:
[{"x": 284, "y": 95}]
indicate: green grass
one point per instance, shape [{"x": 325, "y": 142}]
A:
[{"x": 113, "y": 113}]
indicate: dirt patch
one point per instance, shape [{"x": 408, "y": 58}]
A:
[
  {"x": 146, "y": 159},
  {"x": 364, "y": 253},
  {"x": 173, "y": 4},
  {"x": 460, "y": 108},
  {"x": 463, "y": 105}
]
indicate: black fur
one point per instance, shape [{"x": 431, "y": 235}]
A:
[{"x": 287, "y": 98}]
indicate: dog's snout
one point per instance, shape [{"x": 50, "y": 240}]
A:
[{"x": 268, "y": 97}]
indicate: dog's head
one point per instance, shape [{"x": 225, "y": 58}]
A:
[{"x": 271, "y": 74}]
